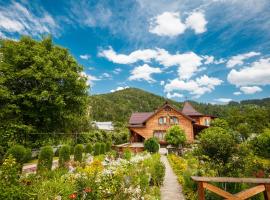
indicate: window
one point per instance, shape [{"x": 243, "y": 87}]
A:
[
  {"x": 162, "y": 120},
  {"x": 207, "y": 122},
  {"x": 174, "y": 120},
  {"x": 160, "y": 135}
]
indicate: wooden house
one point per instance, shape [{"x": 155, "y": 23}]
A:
[{"x": 145, "y": 125}]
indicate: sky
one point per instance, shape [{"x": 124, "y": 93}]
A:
[{"x": 205, "y": 50}]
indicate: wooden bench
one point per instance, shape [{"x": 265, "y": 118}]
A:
[{"x": 262, "y": 185}]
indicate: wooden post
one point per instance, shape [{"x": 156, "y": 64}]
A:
[
  {"x": 201, "y": 191},
  {"x": 267, "y": 192}
]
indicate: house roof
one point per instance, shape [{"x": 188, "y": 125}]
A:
[
  {"x": 140, "y": 118},
  {"x": 189, "y": 110}
]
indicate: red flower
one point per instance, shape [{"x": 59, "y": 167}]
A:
[
  {"x": 73, "y": 196},
  {"x": 88, "y": 190}
]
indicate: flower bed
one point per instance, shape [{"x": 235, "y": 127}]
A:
[{"x": 103, "y": 178}]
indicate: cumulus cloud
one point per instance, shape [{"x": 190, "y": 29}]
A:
[
  {"x": 162, "y": 83},
  {"x": 197, "y": 87},
  {"x": 117, "y": 70},
  {"x": 250, "y": 89},
  {"x": 197, "y": 22},
  {"x": 90, "y": 78},
  {"x": 237, "y": 93},
  {"x": 16, "y": 18},
  {"x": 258, "y": 73},
  {"x": 223, "y": 100},
  {"x": 85, "y": 56},
  {"x": 144, "y": 72},
  {"x": 174, "y": 95},
  {"x": 170, "y": 24},
  {"x": 212, "y": 60},
  {"x": 119, "y": 88},
  {"x": 239, "y": 59},
  {"x": 106, "y": 76},
  {"x": 188, "y": 62}
]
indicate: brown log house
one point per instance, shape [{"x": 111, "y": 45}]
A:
[{"x": 145, "y": 125}]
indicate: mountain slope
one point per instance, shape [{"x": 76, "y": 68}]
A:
[{"x": 118, "y": 106}]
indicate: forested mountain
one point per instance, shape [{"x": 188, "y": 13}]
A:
[{"x": 118, "y": 106}]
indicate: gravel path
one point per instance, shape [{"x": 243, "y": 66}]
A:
[{"x": 171, "y": 189}]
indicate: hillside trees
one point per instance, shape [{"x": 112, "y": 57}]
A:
[{"x": 41, "y": 91}]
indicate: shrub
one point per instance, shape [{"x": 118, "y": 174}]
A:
[
  {"x": 261, "y": 144},
  {"x": 221, "y": 123},
  {"x": 175, "y": 136},
  {"x": 88, "y": 148},
  {"x": 151, "y": 145},
  {"x": 108, "y": 146},
  {"x": 2, "y": 154},
  {"x": 71, "y": 150},
  {"x": 127, "y": 154},
  {"x": 64, "y": 155},
  {"x": 102, "y": 148},
  {"x": 18, "y": 152},
  {"x": 78, "y": 152},
  {"x": 28, "y": 155},
  {"x": 45, "y": 159},
  {"x": 97, "y": 149},
  {"x": 216, "y": 143}
]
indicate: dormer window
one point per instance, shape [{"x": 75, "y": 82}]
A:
[
  {"x": 174, "y": 120},
  {"x": 162, "y": 120}
]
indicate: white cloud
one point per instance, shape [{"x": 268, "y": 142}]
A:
[
  {"x": 223, "y": 100},
  {"x": 167, "y": 24},
  {"x": 144, "y": 55},
  {"x": 16, "y": 18},
  {"x": 117, "y": 70},
  {"x": 250, "y": 89},
  {"x": 197, "y": 87},
  {"x": 119, "y": 88},
  {"x": 258, "y": 73},
  {"x": 197, "y": 22},
  {"x": 144, "y": 72},
  {"x": 237, "y": 93},
  {"x": 106, "y": 75},
  {"x": 188, "y": 62},
  {"x": 162, "y": 83},
  {"x": 85, "y": 56},
  {"x": 170, "y": 24},
  {"x": 90, "y": 78},
  {"x": 239, "y": 59},
  {"x": 174, "y": 95},
  {"x": 212, "y": 60}
]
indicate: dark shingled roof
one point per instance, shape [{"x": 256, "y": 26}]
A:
[
  {"x": 139, "y": 118},
  {"x": 189, "y": 110}
]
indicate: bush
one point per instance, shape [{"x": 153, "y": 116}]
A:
[
  {"x": 261, "y": 144},
  {"x": 28, "y": 155},
  {"x": 18, "y": 152},
  {"x": 216, "y": 143},
  {"x": 221, "y": 123},
  {"x": 64, "y": 155},
  {"x": 108, "y": 146},
  {"x": 127, "y": 154},
  {"x": 151, "y": 145},
  {"x": 2, "y": 154},
  {"x": 45, "y": 159},
  {"x": 175, "y": 136},
  {"x": 88, "y": 148},
  {"x": 78, "y": 152},
  {"x": 97, "y": 149},
  {"x": 102, "y": 148}
]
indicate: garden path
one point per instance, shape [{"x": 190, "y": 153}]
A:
[{"x": 171, "y": 189}]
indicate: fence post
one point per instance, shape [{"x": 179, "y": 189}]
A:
[
  {"x": 267, "y": 192},
  {"x": 201, "y": 191}
]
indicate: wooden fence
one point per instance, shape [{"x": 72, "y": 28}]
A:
[{"x": 261, "y": 185}]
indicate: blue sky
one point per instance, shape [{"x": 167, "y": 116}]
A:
[{"x": 206, "y": 50}]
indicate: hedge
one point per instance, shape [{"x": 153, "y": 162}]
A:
[
  {"x": 78, "y": 151},
  {"x": 45, "y": 159},
  {"x": 64, "y": 155}
]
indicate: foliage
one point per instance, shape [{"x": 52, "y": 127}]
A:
[
  {"x": 2, "y": 154},
  {"x": 151, "y": 145},
  {"x": 175, "y": 136},
  {"x": 78, "y": 152},
  {"x": 96, "y": 149},
  {"x": 127, "y": 154},
  {"x": 108, "y": 146},
  {"x": 216, "y": 143},
  {"x": 45, "y": 159},
  {"x": 89, "y": 148},
  {"x": 28, "y": 155},
  {"x": 64, "y": 155},
  {"x": 42, "y": 90},
  {"x": 261, "y": 144},
  {"x": 218, "y": 122},
  {"x": 102, "y": 148},
  {"x": 18, "y": 152}
]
